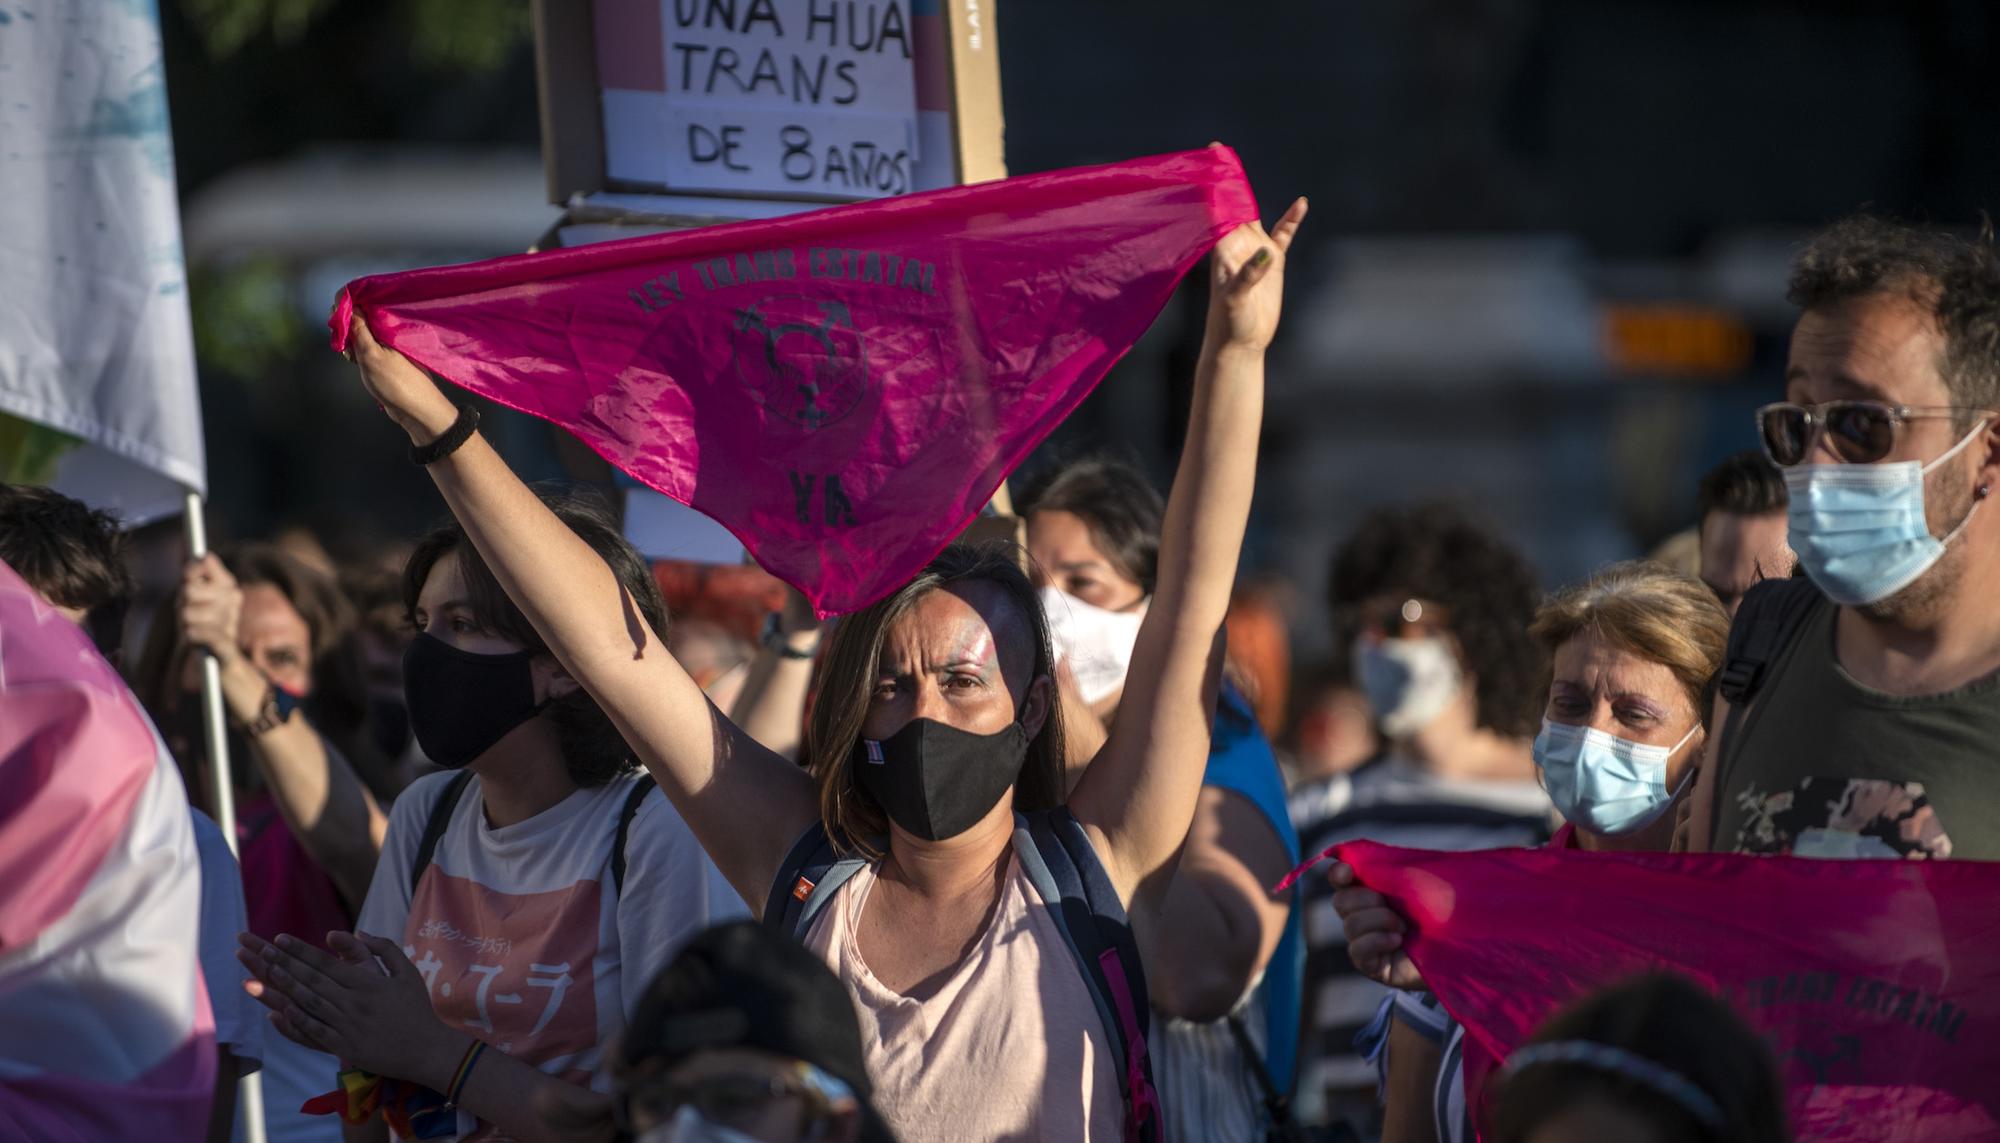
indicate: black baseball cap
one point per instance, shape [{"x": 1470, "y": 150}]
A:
[{"x": 740, "y": 985}]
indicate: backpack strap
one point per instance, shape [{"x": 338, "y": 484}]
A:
[
  {"x": 807, "y": 879},
  {"x": 1279, "y": 1123},
  {"x": 1060, "y": 862},
  {"x": 644, "y": 786},
  {"x": 434, "y": 825},
  {"x": 1771, "y": 614}
]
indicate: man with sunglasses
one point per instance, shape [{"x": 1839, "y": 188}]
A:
[{"x": 1860, "y": 708}]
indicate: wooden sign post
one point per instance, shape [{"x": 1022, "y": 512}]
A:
[
  {"x": 693, "y": 103},
  {"x": 664, "y": 114}
]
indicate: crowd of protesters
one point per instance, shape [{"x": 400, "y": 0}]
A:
[{"x": 526, "y": 852}]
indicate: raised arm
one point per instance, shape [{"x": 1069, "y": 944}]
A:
[
  {"x": 317, "y": 792},
  {"x": 1139, "y": 794},
  {"x": 771, "y": 707},
  {"x": 1219, "y": 923},
  {"x": 745, "y": 804}
]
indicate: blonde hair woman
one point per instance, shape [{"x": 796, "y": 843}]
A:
[{"x": 1634, "y": 652}]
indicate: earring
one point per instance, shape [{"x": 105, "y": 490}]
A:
[{"x": 1980, "y": 492}]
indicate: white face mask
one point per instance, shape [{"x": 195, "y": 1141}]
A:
[
  {"x": 1096, "y": 643},
  {"x": 1409, "y": 682},
  {"x": 688, "y": 1126}
]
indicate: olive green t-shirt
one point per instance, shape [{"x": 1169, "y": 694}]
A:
[{"x": 1822, "y": 766}]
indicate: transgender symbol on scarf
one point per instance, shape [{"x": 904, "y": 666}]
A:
[
  {"x": 801, "y": 358},
  {"x": 843, "y": 389}
]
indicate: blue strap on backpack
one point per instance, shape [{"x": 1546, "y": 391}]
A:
[{"x": 1058, "y": 859}]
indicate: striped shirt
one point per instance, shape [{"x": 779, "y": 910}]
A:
[
  {"x": 1425, "y": 1015},
  {"x": 1396, "y": 803},
  {"x": 1421, "y": 1012}
]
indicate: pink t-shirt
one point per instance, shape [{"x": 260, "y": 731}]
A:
[
  {"x": 284, "y": 889},
  {"x": 520, "y": 932},
  {"x": 1010, "y": 1047}
]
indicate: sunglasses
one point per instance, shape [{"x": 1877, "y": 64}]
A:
[
  {"x": 730, "y": 1100},
  {"x": 1394, "y": 620},
  {"x": 1859, "y": 432}
]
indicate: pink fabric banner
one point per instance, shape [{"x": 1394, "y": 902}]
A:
[
  {"x": 843, "y": 389},
  {"x": 105, "y": 1026},
  {"x": 59, "y": 701},
  {"x": 1877, "y": 983}
]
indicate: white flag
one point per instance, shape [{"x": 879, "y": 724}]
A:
[{"x": 97, "y": 380}]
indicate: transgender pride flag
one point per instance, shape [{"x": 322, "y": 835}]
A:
[{"x": 105, "y": 1031}]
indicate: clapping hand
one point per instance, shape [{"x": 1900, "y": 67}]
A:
[{"x": 376, "y": 1016}]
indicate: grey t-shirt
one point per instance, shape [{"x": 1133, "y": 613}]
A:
[{"x": 1822, "y": 766}]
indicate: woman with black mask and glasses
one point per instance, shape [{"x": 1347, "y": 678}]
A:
[{"x": 524, "y": 896}]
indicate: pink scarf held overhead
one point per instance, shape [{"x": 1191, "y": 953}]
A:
[
  {"x": 1877, "y": 983},
  {"x": 842, "y": 389}
]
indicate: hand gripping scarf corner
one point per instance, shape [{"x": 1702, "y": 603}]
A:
[
  {"x": 1876, "y": 983},
  {"x": 842, "y": 389}
]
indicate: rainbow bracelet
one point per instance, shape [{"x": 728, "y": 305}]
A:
[{"x": 456, "y": 1088}]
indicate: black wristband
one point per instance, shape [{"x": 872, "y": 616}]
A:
[
  {"x": 461, "y": 430},
  {"x": 774, "y": 638}
]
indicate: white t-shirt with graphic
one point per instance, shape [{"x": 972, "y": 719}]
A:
[{"x": 520, "y": 933}]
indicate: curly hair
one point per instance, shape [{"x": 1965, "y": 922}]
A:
[
  {"x": 1436, "y": 552},
  {"x": 1955, "y": 280},
  {"x": 592, "y": 749}
]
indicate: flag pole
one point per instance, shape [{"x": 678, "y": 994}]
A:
[{"x": 222, "y": 795}]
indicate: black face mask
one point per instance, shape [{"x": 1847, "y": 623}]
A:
[
  {"x": 461, "y": 703},
  {"x": 936, "y": 781}
]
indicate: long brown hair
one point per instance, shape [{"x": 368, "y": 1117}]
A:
[
  {"x": 337, "y": 707},
  {"x": 847, "y": 683}
]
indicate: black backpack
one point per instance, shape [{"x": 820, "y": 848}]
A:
[
  {"x": 1771, "y": 616},
  {"x": 440, "y": 817},
  {"x": 1057, "y": 857}
]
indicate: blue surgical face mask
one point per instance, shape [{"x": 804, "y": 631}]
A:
[
  {"x": 1604, "y": 783},
  {"x": 1860, "y": 530}
]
